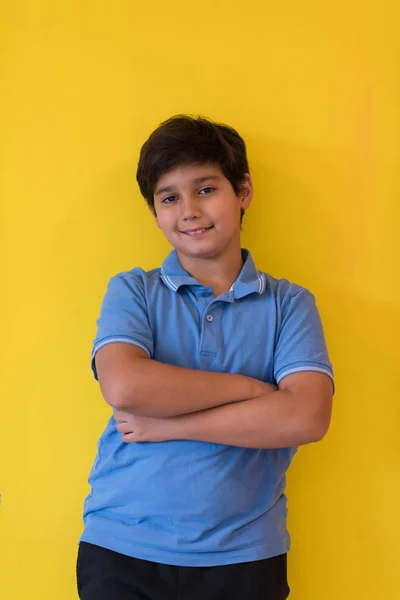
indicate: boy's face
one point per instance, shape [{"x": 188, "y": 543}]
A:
[{"x": 198, "y": 211}]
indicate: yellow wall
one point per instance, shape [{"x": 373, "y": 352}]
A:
[{"x": 314, "y": 87}]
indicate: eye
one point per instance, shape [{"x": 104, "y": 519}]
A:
[
  {"x": 169, "y": 200},
  {"x": 207, "y": 190}
]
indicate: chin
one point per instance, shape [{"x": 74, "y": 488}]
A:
[{"x": 210, "y": 252}]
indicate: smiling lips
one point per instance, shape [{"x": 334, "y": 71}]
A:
[{"x": 196, "y": 232}]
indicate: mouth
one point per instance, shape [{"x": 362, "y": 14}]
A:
[{"x": 199, "y": 231}]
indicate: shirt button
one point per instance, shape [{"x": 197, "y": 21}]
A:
[{"x": 209, "y": 318}]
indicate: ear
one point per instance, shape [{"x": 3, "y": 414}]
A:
[{"x": 246, "y": 191}]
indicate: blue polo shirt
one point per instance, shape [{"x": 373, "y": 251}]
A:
[{"x": 194, "y": 503}]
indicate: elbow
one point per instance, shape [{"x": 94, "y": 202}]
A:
[
  {"x": 120, "y": 370},
  {"x": 319, "y": 421},
  {"x": 121, "y": 396},
  {"x": 319, "y": 429},
  {"x": 117, "y": 401},
  {"x": 317, "y": 435}
]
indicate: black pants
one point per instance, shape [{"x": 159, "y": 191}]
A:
[{"x": 106, "y": 575}]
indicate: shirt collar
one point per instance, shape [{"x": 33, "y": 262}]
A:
[{"x": 250, "y": 280}]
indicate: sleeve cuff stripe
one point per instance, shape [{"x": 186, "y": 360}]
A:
[
  {"x": 120, "y": 339},
  {"x": 305, "y": 369}
]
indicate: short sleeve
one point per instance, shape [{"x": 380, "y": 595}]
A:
[
  {"x": 123, "y": 316},
  {"x": 301, "y": 342}
]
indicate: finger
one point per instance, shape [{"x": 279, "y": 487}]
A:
[
  {"x": 120, "y": 415},
  {"x": 129, "y": 438},
  {"x": 124, "y": 428}
]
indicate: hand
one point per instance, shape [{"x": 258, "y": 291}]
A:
[{"x": 145, "y": 429}]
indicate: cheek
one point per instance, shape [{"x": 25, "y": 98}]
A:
[
  {"x": 229, "y": 215},
  {"x": 169, "y": 228},
  {"x": 164, "y": 221}
]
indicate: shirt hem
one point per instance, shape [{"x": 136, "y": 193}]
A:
[{"x": 186, "y": 559}]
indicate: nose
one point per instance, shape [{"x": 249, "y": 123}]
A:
[{"x": 189, "y": 208}]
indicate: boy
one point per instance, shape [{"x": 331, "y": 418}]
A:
[{"x": 216, "y": 372}]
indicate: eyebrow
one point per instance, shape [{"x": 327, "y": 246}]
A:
[{"x": 197, "y": 180}]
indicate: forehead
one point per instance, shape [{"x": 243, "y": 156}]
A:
[{"x": 184, "y": 175}]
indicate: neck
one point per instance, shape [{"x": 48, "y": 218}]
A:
[{"x": 219, "y": 272}]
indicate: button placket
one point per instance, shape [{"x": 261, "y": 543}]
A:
[{"x": 209, "y": 333}]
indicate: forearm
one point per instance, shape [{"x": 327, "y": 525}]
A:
[
  {"x": 156, "y": 389},
  {"x": 277, "y": 420}
]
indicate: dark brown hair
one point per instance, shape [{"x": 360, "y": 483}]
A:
[{"x": 186, "y": 139}]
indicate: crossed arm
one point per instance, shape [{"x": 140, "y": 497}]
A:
[{"x": 157, "y": 402}]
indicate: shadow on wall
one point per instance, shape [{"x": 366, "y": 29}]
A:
[
  {"x": 318, "y": 203},
  {"x": 318, "y": 223}
]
